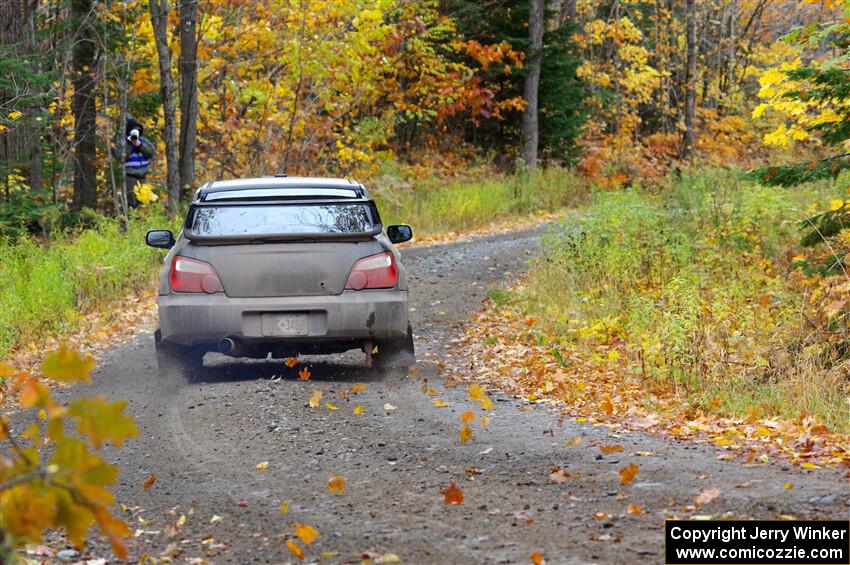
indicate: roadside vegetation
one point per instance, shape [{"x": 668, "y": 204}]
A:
[{"x": 699, "y": 289}]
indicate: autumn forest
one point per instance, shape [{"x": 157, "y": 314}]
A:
[{"x": 642, "y": 202}]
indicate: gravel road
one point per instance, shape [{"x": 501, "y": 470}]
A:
[{"x": 202, "y": 440}]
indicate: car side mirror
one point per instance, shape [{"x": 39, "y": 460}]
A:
[
  {"x": 399, "y": 233},
  {"x": 163, "y": 239}
]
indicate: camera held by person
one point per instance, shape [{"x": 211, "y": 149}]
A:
[{"x": 137, "y": 154}]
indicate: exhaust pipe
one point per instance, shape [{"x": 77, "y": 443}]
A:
[{"x": 230, "y": 346}]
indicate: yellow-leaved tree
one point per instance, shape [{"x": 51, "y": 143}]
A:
[{"x": 51, "y": 477}]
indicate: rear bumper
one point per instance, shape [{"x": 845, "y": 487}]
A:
[{"x": 370, "y": 315}]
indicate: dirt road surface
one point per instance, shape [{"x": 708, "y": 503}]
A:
[{"x": 202, "y": 440}]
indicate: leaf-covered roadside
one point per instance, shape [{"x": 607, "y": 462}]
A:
[{"x": 681, "y": 311}]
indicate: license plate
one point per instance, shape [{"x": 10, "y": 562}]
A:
[{"x": 286, "y": 324}]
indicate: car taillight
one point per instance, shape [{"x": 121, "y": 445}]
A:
[
  {"x": 191, "y": 275},
  {"x": 377, "y": 271}
]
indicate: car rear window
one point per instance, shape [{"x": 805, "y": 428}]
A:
[{"x": 280, "y": 219}]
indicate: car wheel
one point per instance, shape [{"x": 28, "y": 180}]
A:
[
  {"x": 396, "y": 355},
  {"x": 175, "y": 360}
]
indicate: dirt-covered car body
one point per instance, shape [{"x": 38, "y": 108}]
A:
[{"x": 282, "y": 265}]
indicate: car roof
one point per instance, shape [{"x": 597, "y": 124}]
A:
[{"x": 280, "y": 187}]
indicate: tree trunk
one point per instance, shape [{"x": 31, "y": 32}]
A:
[
  {"x": 84, "y": 108},
  {"x": 731, "y": 59},
  {"x": 530, "y": 127},
  {"x": 188, "y": 92},
  {"x": 688, "y": 138},
  {"x": 159, "y": 19},
  {"x": 567, "y": 12}
]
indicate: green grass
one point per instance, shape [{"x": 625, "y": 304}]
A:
[
  {"x": 437, "y": 206},
  {"x": 696, "y": 279},
  {"x": 45, "y": 287}
]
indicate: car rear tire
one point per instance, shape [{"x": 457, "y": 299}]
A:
[
  {"x": 175, "y": 360},
  {"x": 396, "y": 355}
]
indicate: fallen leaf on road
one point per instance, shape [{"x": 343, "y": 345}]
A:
[
  {"x": 315, "y": 398},
  {"x": 747, "y": 484},
  {"x": 242, "y": 503},
  {"x": 558, "y": 475},
  {"x": 604, "y": 537},
  {"x": 537, "y": 558},
  {"x": 809, "y": 465},
  {"x": 634, "y": 509},
  {"x": 439, "y": 403},
  {"x": 181, "y": 521},
  {"x": 304, "y": 374},
  {"x": 627, "y": 474},
  {"x": 306, "y": 533},
  {"x": 485, "y": 451},
  {"x": 357, "y": 388},
  {"x": 291, "y": 362},
  {"x": 387, "y": 558},
  {"x": 284, "y": 507},
  {"x": 336, "y": 484},
  {"x": 575, "y": 441},
  {"x": 484, "y": 421},
  {"x": 465, "y": 433},
  {"x": 215, "y": 518},
  {"x": 467, "y": 417},
  {"x": 601, "y": 516},
  {"x": 294, "y": 549},
  {"x": 262, "y": 466},
  {"x": 706, "y": 496},
  {"x": 330, "y": 406},
  {"x": 788, "y": 486},
  {"x": 389, "y": 407},
  {"x": 358, "y": 409},
  {"x": 149, "y": 482},
  {"x": 452, "y": 494},
  {"x": 607, "y": 449}
]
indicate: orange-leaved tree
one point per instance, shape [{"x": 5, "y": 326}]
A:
[{"x": 50, "y": 478}]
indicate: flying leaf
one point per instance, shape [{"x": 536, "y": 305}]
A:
[
  {"x": 306, "y": 533},
  {"x": 336, "y": 484},
  {"x": 284, "y": 507},
  {"x": 479, "y": 394},
  {"x": 467, "y": 418},
  {"x": 304, "y": 374},
  {"x": 67, "y": 365},
  {"x": 788, "y": 486},
  {"x": 262, "y": 466},
  {"x": 627, "y": 474},
  {"x": 440, "y": 403},
  {"x": 294, "y": 549},
  {"x": 452, "y": 494},
  {"x": 465, "y": 433},
  {"x": 149, "y": 482},
  {"x": 706, "y": 496},
  {"x": 358, "y": 409},
  {"x": 291, "y": 362},
  {"x": 607, "y": 449},
  {"x": 315, "y": 399}
]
